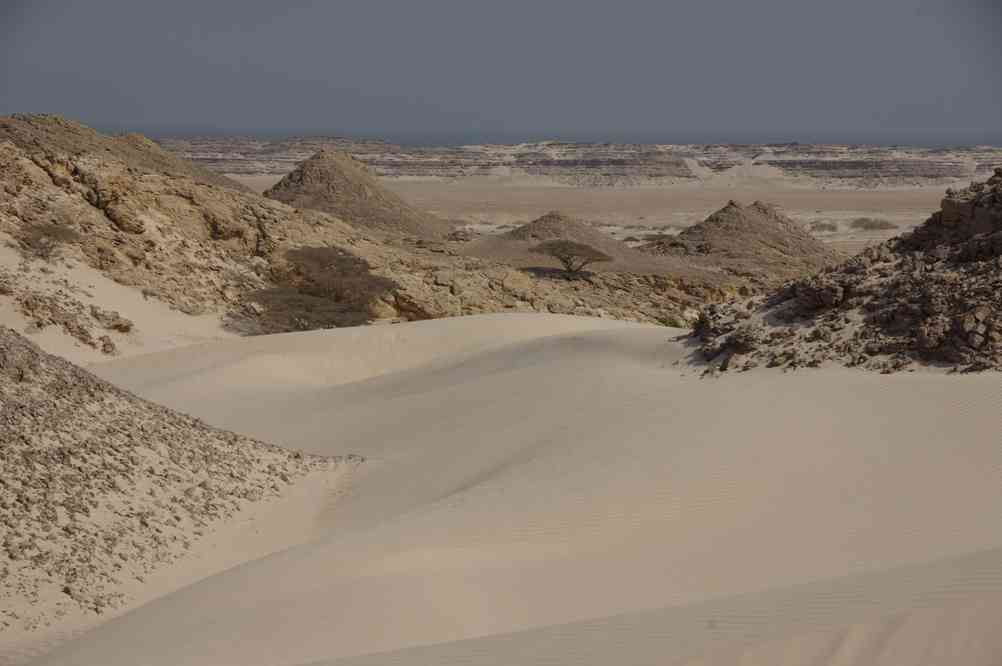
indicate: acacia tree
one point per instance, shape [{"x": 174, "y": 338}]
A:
[{"x": 573, "y": 255}]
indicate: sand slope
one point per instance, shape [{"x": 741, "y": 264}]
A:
[
  {"x": 552, "y": 490},
  {"x": 156, "y": 326}
]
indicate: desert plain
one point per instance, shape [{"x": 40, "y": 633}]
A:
[{"x": 241, "y": 431}]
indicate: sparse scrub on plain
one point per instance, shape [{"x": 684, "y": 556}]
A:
[
  {"x": 872, "y": 224},
  {"x": 824, "y": 227}
]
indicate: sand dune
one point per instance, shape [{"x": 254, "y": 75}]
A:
[
  {"x": 554, "y": 490},
  {"x": 927, "y": 614}
]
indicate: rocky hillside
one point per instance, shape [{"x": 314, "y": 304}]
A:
[
  {"x": 261, "y": 265},
  {"x": 53, "y": 134},
  {"x": 99, "y": 488},
  {"x": 754, "y": 242},
  {"x": 336, "y": 183},
  {"x": 932, "y": 296}
]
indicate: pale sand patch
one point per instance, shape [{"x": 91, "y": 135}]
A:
[
  {"x": 487, "y": 201},
  {"x": 487, "y": 204},
  {"x": 571, "y": 497},
  {"x": 157, "y": 326},
  {"x": 681, "y": 205}
]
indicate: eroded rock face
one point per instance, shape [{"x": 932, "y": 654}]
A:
[
  {"x": 98, "y": 487},
  {"x": 932, "y": 296}
]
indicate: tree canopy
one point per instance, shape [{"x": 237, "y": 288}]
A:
[{"x": 572, "y": 255}]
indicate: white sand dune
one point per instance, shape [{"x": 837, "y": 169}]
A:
[{"x": 552, "y": 490}]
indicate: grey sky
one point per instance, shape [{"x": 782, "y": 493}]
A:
[{"x": 701, "y": 70}]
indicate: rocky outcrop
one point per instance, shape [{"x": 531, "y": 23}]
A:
[
  {"x": 55, "y": 135},
  {"x": 336, "y": 183},
  {"x": 460, "y": 286},
  {"x": 932, "y": 296},
  {"x": 755, "y": 243},
  {"x": 99, "y": 488}
]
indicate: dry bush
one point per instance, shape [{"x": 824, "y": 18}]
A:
[
  {"x": 333, "y": 273},
  {"x": 825, "y": 227},
  {"x": 872, "y": 224},
  {"x": 325, "y": 287},
  {"x": 41, "y": 240}
]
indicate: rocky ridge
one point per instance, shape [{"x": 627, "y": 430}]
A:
[
  {"x": 55, "y": 134},
  {"x": 99, "y": 488},
  {"x": 756, "y": 243},
  {"x": 931, "y": 296}
]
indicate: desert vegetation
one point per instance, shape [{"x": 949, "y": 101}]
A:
[
  {"x": 335, "y": 273},
  {"x": 41, "y": 240},
  {"x": 574, "y": 257},
  {"x": 872, "y": 224},
  {"x": 825, "y": 227}
]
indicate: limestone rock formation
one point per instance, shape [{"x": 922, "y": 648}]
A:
[
  {"x": 336, "y": 183},
  {"x": 933, "y": 296},
  {"x": 98, "y": 487},
  {"x": 754, "y": 242},
  {"x": 40, "y": 133}
]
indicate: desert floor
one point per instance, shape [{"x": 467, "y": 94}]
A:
[
  {"x": 560, "y": 490},
  {"x": 681, "y": 205},
  {"x": 500, "y": 202},
  {"x": 487, "y": 204}
]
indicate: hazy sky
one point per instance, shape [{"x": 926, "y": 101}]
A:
[{"x": 671, "y": 70}]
